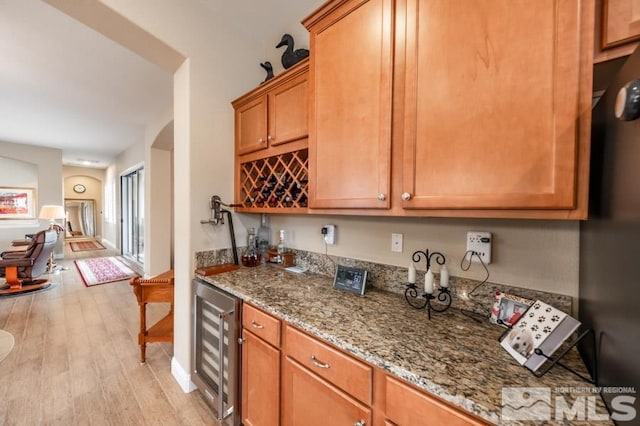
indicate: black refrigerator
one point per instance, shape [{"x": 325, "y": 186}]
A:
[{"x": 609, "y": 296}]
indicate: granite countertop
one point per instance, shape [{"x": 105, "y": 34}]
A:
[{"x": 451, "y": 356}]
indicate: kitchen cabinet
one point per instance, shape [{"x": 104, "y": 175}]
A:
[
  {"x": 321, "y": 383},
  {"x": 273, "y": 114},
  {"x": 491, "y": 108},
  {"x": 617, "y": 28},
  {"x": 406, "y": 405},
  {"x": 350, "y": 108},
  {"x": 271, "y": 129},
  {"x": 260, "y": 368}
]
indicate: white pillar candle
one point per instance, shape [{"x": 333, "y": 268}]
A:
[
  {"x": 412, "y": 274},
  {"x": 428, "y": 282},
  {"x": 444, "y": 277}
]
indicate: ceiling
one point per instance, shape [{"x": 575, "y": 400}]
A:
[{"x": 66, "y": 86}]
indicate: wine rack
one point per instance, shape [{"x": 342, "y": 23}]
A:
[{"x": 277, "y": 182}]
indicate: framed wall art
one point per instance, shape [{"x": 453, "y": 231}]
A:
[{"x": 17, "y": 203}]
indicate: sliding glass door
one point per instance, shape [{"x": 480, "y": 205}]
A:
[{"x": 132, "y": 204}]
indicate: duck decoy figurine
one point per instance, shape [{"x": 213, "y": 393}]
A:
[
  {"x": 269, "y": 69},
  {"x": 291, "y": 57}
]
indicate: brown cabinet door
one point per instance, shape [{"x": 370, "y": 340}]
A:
[
  {"x": 308, "y": 400},
  {"x": 406, "y": 406},
  {"x": 620, "y": 22},
  {"x": 288, "y": 118},
  {"x": 350, "y": 106},
  {"x": 260, "y": 382},
  {"x": 251, "y": 126},
  {"x": 491, "y": 104}
]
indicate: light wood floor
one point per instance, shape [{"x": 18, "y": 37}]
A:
[{"x": 76, "y": 359}]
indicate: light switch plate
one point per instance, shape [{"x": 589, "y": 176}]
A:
[
  {"x": 480, "y": 242},
  {"x": 396, "y": 242}
]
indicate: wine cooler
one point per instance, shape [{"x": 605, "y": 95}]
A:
[{"x": 216, "y": 363}]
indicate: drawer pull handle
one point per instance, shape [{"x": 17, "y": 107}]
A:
[
  {"x": 319, "y": 363},
  {"x": 360, "y": 423},
  {"x": 256, "y": 325}
]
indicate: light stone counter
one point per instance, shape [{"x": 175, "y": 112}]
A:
[{"x": 451, "y": 356}]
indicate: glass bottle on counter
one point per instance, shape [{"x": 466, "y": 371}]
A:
[
  {"x": 251, "y": 256},
  {"x": 281, "y": 247},
  {"x": 264, "y": 237}
]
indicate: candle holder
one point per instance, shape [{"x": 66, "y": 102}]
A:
[{"x": 411, "y": 293}]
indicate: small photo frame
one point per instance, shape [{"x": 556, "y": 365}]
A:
[{"x": 507, "y": 308}]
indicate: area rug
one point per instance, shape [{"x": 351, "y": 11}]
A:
[
  {"x": 6, "y": 344},
  {"x": 86, "y": 245},
  {"x": 102, "y": 270}
]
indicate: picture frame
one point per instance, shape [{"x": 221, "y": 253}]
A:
[
  {"x": 507, "y": 308},
  {"x": 17, "y": 203}
]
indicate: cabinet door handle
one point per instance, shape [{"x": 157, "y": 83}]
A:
[
  {"x": 381, "y": 197},
  {"x": 405, "y": 196},
  {"x": 256, "y": 325},
  {"x": 261, "y": 140},
  {"x": 319, "y": 363},
  {"x": 360, "y": 423},
  {"x": 269, "y": 138}
]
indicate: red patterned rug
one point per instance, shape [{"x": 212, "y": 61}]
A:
[
  {"x": 102, "y": 270},
  {"x": 86, "y": 245}
]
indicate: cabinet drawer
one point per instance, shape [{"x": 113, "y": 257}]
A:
[
  {"x": 408, "y": 406},
  {"x": 354, "y": 377},
  {"x": 261, "y": 324}
]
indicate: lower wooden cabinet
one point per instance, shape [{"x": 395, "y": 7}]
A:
[
  {"x": 311, "y": 401},
  {"x": 306, "y": 381},
  {"x": 260, "y": 370},
  {"x": 407, "y": 406}
]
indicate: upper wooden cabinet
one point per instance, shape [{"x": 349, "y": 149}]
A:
[
  {"x": 274, "y": 113},
  {"x": 350, "y": 104},
  {"x": 492, "y": 101},
  {"x": 491, "y": 107},
  {"x": 271, "y": 129},
  {"x": 617, "y": 28}
]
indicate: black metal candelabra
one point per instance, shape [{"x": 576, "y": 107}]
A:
[{"x": 411, "y": 293}]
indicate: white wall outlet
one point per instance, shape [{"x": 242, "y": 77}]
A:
[
  {"x": 396, "y": 242},
  {"x": 480, "y": 242},
  {"x": 329, "y": 233}
]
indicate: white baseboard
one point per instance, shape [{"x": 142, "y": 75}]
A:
[
  {"x": 109, "y": 244},
  {"x": 182, "y": 377}
]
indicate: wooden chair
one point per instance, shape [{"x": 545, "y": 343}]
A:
[{"x": 158, "y": 289}]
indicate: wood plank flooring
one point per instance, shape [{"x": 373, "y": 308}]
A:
[{"x": 76, "y": 359}]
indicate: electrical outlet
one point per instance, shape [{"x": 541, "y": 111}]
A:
[
  {"x": 396, "y": 242},
  {"x": 329, "y": 233},
  {"x": 480, "y": 242}
]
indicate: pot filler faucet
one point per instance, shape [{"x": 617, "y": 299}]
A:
[{"x": 217, "y": 218}]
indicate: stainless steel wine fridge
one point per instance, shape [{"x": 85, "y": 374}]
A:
[{"x": 216, "y": 363}]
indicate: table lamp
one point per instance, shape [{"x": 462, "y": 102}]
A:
[{"x": 52, "y": 213}]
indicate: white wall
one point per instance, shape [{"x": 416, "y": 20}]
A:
[
  {"x": 111, "y": 230},
  {"x": 219, "y": 68},
  {"x": 541, "y": 255},
  {"x": 49, "y": 186}
]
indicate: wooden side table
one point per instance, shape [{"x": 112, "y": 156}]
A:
[{"x": 158, "y": 289}]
